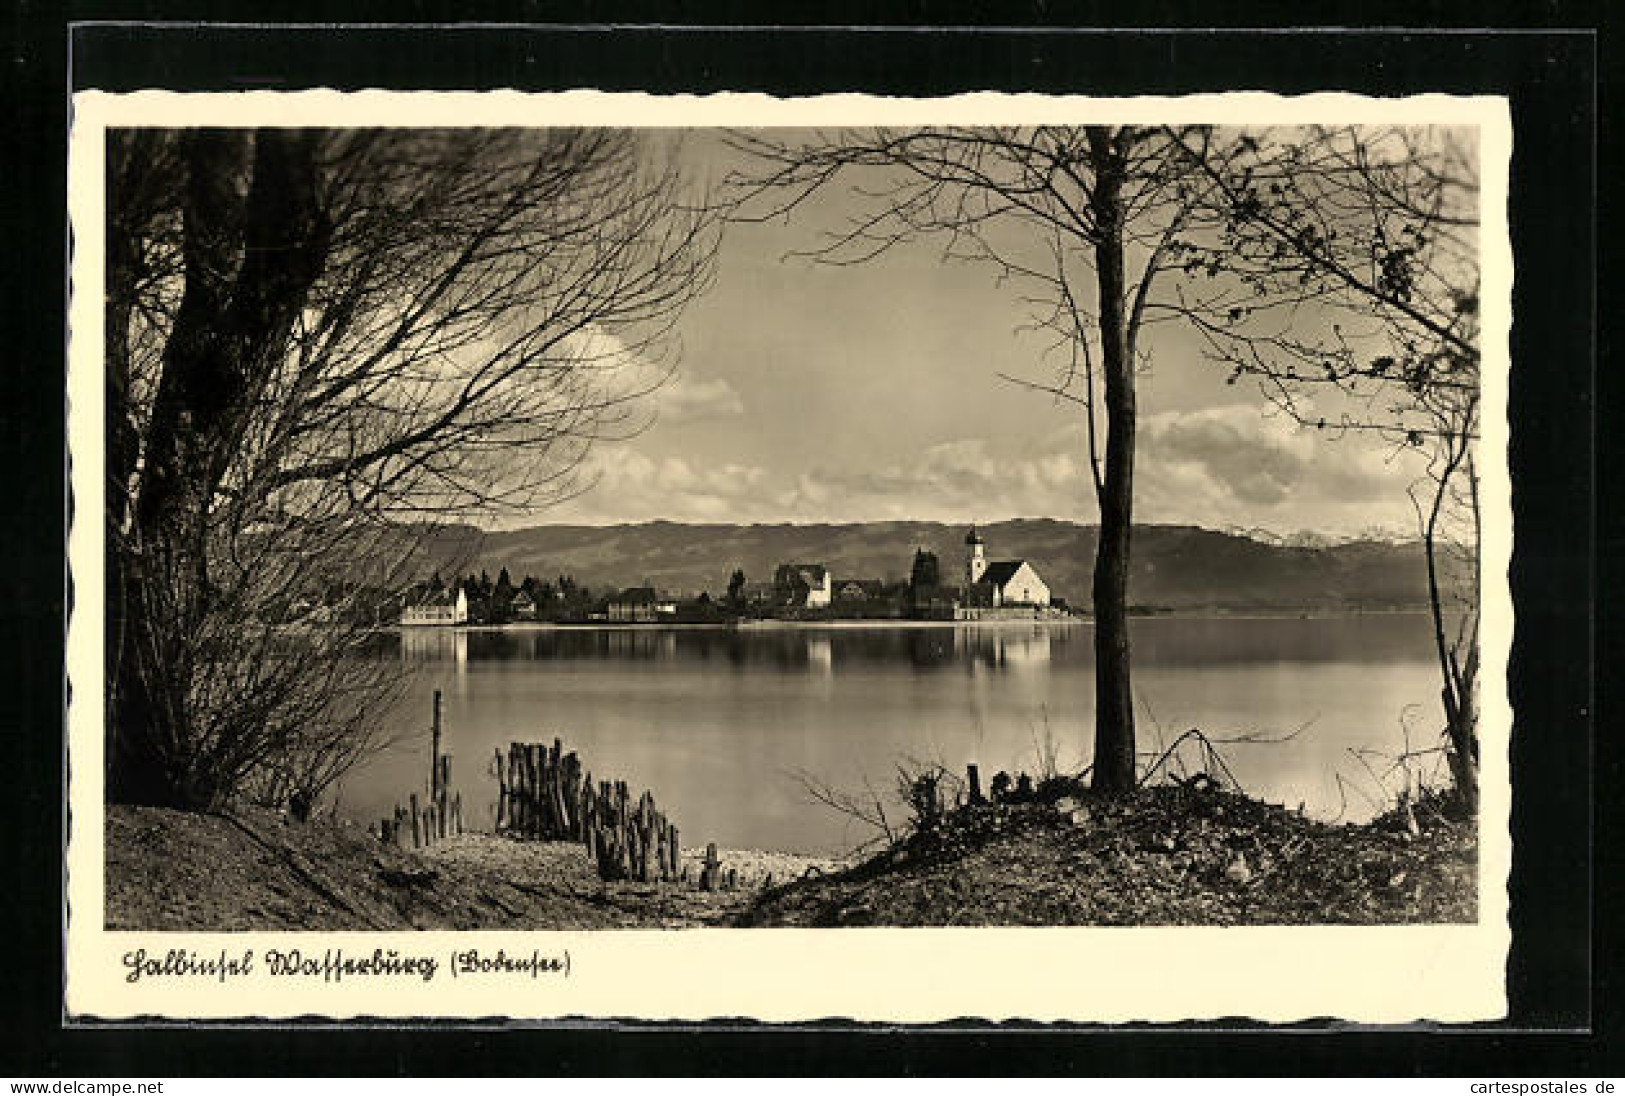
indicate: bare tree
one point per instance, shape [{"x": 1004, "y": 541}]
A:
[
  {"x": 316, "y": 337},
  {"x": 1088, "y": 220},
  {"x": 1339, "y": 271}
]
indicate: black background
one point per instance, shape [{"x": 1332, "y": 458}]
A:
[{"x": 1558, "y": 976}]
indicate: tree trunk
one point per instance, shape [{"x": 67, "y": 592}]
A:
[
  {"x": 1114, "y": 762},
  {"x": 251, "y": 258},
  {"x": 1459, "y": 681}
]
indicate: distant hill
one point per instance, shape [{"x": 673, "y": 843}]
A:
[{"x": 1174, "y": 566}]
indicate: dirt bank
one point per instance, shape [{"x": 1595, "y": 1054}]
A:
[
  {"x": 1170, "y": 856},
  {"x": 257, "y": 870}
]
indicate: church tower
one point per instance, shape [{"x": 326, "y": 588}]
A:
[{"x": 975, "y": 557}]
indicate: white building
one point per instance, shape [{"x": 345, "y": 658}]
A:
[
  {"x": 820, "y": 587},
  {"x": 446, "y": 607},
  {"x": 1000, "y": 583},
  {"x": 640, "y": 604},
  {"x": 814, "y": 576}
]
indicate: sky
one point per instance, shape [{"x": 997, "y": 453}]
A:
[{"x": 814, "y": 393}]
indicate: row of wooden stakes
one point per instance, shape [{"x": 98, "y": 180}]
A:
[
  {"x": 419, "y": 826},
  {"x": 544, "y": 794},
  {"x": 439, "y": 818}
]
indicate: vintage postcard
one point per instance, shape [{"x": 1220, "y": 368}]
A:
[{"x": 602, "y": 555}]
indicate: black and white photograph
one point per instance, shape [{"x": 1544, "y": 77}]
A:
[{"x": 1015, "y": 516}]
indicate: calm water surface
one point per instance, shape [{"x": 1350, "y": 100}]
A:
[{"x": 717, "y": 723}]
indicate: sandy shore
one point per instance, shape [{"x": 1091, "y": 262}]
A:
[
  {"x": 505, "y": 856},
  {"x": 259, "y": 871},
  {"x": 760, "y": 867}
]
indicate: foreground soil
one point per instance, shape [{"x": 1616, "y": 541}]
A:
[
  {"x": 1169, "y": 856},
  {"x": 257, "y": 870}
]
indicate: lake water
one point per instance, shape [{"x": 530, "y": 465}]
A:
[{"x": 718, "y": 723}]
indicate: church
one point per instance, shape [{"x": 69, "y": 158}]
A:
[{"x": 1000, "y": 583}]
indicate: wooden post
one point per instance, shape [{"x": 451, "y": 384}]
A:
[
  {"x": 442, "y": 805},
  {"x": 457, "y": 811},
  {"x": 588, "y": 807},
  {"x": 502, "y": 793},
  {"x": 521, "y": 784},
  {"x": 572, "y": 796},
  {"x": 544, "y": 791},
  {"x": 434, "y": 752},
  {"x": 709, "y": 873},
  {"x": 649, "y": 866},
  {"x": 555, "y": 791},
  {"x": 629, "y": 849},
  {"x": 518, "y": 819},
  {"x": 514, "y": 811},
  {"x": 672, "y": 851},
  {"x": 548, "y": 763},
  {"x": 634, "y": 843},
  {"x": 550, "y": 791},
  {"x": 533, "y": 774},
  {"x": 640, "y": 868},
  {"x": 973, "y": 776},
  {"x": 417, "y": 824},
  {"x": 528, "y": 782},
  {"x": 1001, "y": 786},
  {"x": 623, "y": 794}
]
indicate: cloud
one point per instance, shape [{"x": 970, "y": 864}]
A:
[
  {"x": 686, "y": 399},
  {"x": 1221, "y": 468},
  {"x": 1239, "y": 466},
  {"x": 646, "y": 373},
  {"x": 628, "y": 485},
  {"x": 968, "y": 478}
]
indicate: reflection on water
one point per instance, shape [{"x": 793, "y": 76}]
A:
[
  {"x": 434, "y": 645},
  {"x": 820, "y": 654},
  {"x": 715, "y": 719},
  {"x": 789, "y": 649},
  {"x": 1204, "y": 641}
]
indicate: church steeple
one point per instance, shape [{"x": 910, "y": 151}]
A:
[{"x": 975, "y": 557}]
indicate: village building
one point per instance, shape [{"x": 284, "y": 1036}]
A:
[
  {"x": 859, "y": 589},
  {"x": 523, "y": 606},
  {"x": 804, "y": 584},
  {"x": 1000, "y": 584},
  {"x": 437, "y": 607},
  {"x": 639, "y": 605}
]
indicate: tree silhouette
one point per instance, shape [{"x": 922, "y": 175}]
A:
[
  {"x": 1343, "y": 280},
  {"x": 1088, "y": 218},
  {"x": 924, "y": 573},
  {"x": 314, "y": 337}
]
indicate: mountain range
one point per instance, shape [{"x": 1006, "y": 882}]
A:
[{"x": 1175, "y": 567}]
